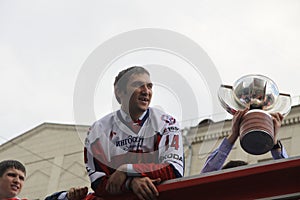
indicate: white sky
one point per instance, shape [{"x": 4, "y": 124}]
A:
[{"x": 43, "y": 45}]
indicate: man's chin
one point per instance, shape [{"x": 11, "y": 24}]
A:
[
  {"x": 13, "y": 193},
  {"x": 142, "y": 110},
  {"x": 143, "y": 106}
]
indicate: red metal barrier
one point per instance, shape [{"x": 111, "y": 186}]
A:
[{"x": 278, "y": 179}]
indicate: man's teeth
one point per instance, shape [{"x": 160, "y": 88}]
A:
[{"x": 15, "y": 187}]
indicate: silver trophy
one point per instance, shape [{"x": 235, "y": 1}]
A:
[{"x": 261, "y": 95}]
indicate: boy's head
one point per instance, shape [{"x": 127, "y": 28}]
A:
[
  {"x": 12, "y": 176},
  {"x": 234, "y": 163}
]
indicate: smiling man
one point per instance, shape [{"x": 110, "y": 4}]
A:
[
  {"x": 12, "y": 176},
  {"x": 136, "y": 147}
]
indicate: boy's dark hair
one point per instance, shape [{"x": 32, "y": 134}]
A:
[
  {"x": 8, "y": 164},
  {"x": 234, "y": 163},
  {"x": 123, "y": 77}
]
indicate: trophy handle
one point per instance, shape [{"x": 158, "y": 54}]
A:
[
  {"x": 283, "y": 105},
  {"x": 226, "y": 98}
]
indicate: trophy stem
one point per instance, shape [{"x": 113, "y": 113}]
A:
[{"x": 257, "y": 132}]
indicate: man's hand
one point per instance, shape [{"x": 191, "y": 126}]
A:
[
  {"x": 77, "y": 193},
  {"x": 235, "y": 129},
  {"x": 277, "y": 120},
  {"x": 145, "y": 188},
  {"x": 115, "y": 181}
]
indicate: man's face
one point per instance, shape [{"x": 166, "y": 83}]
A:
[
  {"x": 138, "y": 94},
  {"x": 11, "y": 183}
]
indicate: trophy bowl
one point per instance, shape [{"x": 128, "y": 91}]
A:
[
  {"x": 255, "y": 91},
  {"x": 261, "y": 96}
]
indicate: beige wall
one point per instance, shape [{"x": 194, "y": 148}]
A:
[{"x": 53, "y": 153}]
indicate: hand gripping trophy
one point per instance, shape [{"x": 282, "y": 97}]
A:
[{"x": 260, "y": 94}]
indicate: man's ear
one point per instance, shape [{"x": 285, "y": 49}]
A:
[{"x": 118, "y": 94}]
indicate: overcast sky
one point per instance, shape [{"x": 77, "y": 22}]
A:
[{"x": 45, "y": 44}]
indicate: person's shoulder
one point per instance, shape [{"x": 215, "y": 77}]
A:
[
  {"x": 162, "y": 117},
  {"x": 105, "y": 119},
  {"x": 158, "y": 111},
  {"x": 101, "y": 125}
]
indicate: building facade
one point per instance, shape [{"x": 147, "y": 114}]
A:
[{"x": 53, "y": 153}]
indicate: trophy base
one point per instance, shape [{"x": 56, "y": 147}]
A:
[
  {"x": 257, "y": 132},
  {"x": 257, "y": 142}
]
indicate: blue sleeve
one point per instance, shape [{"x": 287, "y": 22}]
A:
[
  {"x": 279, "y": 153},
  {"x": 58, "y": 196},
  {"x": 216, "y": 159}
]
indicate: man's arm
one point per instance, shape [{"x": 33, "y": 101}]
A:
[
  {"x": 170, "y": 157},
  {"x": 72, "y": 194},
  {"x": 278, "y": 151},
  {"x": 97, "y": 162},
  {"x": 105, "y": 181},
  {"x": 144, "y": 187},
  {"x": 62, "y": 195},
  {"x": 145, "y": 176},
  {"x": 217, "y": 158},
  {"x": 102, "y": 177}
]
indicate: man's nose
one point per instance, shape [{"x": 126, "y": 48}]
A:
[
  {"x": 16, "y": 179},
  {"x": 145, "y": 89}
]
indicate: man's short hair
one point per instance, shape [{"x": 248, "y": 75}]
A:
[
  {"x": 9, "y": 164},
  {"x": 122, "y": 78},
  {"x": 234, "y": 163}
]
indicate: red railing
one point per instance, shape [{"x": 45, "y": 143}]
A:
[{"x": 278, "y": 179}]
